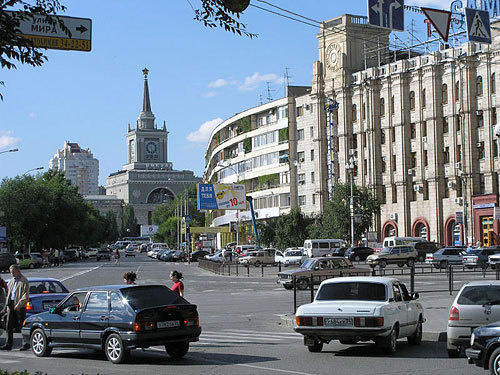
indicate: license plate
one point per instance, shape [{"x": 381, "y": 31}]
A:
[
  {"x": 168, "y": 324},
  {"x": 338, "y": 322},
  {"x": 48, "y": 305}
]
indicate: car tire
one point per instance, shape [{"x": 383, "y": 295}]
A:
[
  {"x": 443, "y": 264},
  {"x": 390, "y": 342},
  {"x": 302, "y": 284},
  {"x": 316, "y": 348},
  {"x": 420, "y": 258},
  {"x": 257, "y": 264},
  {"x": 177, "y": 349},
  {"x": 357, "y": 258},
  {"x": 382, "y": 263},
  {"x": 494, "y": 362},
  {"x": 454, "y": 353},
  {"x": 115, "y": 350},
  {"x": 411, "y": 262},
  {"x": 39, "y": 343},
  {"x": 416, "y": 337},
  {"x": 484, "y": 266}
]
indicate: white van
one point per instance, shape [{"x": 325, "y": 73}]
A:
[
  {"x": 394, "y": 241},
  {"x": 319, "y": 248}
]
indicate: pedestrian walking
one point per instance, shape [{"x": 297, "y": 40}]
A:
[
  {"x": 224, "y": 253},
  {"x": 129, "y": 278},
  {"x": 117, "y": 257},
  {"x": 17, "y": 298},
  {"x": 56, "y": 257},
  {"x": 178, "y": 286}
]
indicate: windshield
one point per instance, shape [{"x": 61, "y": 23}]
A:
[
  {"x": 295, "y": 253},
  {"x": 475, "y": 252},
  {"x": 251, "y": 254},
  {"x": 46, "y": 286},
  {"x": 385, "y": 250},
  {"x": 308, "y": 264},
  {"x": 365, "y": 291},
  {"x": 151, "y": 296}
]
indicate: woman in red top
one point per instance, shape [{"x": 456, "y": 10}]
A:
[{"x": 178, "y": 286}]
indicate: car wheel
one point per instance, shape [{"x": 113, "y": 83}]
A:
[
  {"x": 416, "y": 338},
  {"x": 494, "y": 362},
  {"x": 302, "y": 284},
  {"x": 40, "y": 344},
  {"x": 454, "y": 353},
  {"x": 411, "y": 263},
  {"x": 31, "y": 266},
  {"x": 316, "y": 348},
  {"x": 97, "y": 259},
  {"x": 391, "y": 342},
  {"x": 114, "y": 349},
  {"x": 443, "y": 264},
  {"x": 421, "y": 258},
  {"x": 484, "y": 266},
  {"x": 177, "y": 349},
  {"x": 382, "y": 263},
  {"x": 257, "y": 264},
  {"x": 357, "y": 258},
  {"x": 287, "y": 286}
]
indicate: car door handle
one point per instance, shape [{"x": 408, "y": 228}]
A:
[
  {"x": 104, "y": 317},
  {"x": 76, "y": 317}
]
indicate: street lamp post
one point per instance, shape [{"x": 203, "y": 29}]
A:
[
  {"x": 33, "y": 169},
  {"x": 11, "y": 150},
  {"x": 350, "y": 169}
]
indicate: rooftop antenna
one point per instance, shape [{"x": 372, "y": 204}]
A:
[
  {"x": 260, "y": 98},
  {"x": 269, "y": 97},
  {"x": 286, "y": 79}
]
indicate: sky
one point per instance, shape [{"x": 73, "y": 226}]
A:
[{"x": 198, "y": 77}]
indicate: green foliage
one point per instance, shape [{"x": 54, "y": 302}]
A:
[
  {"x": 129, "y": 227},
  {"x": 283, "y": 134},
  {"x": 268, "y": 180},
  {"x": 291, "y": 229},
  {"x": 247, "y": 145},
  {"x": 336, "y": 219},
  {"x": 217, "y": 138},
  {"x": 243, "y": 125},
  {"x": 267, "y": 232}
]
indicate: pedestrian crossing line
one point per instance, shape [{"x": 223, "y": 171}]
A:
[
  {"x": 241, "y": 336},
  {"x": 223, "y": 340},
  {"x": 252, "y": 335},
  {"x": 5, "y": 361},
  {"x": 262, "y": 332}
]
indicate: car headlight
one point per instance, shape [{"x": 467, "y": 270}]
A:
[{"x": 472, "y": 338}]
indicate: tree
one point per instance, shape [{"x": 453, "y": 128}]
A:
[
  {"x": 267, "y": 232},
  {"x": 111, "y": 227},
  {"x": 336, "y": 219},
  {"x": 129, "y": 227},
  {"x": 291, "y": 229},
  {"x": 167, "y": 232}
]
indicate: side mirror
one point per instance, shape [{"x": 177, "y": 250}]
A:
[
  {"x": 415, "y": 296},
  {"x": 54, "y": 310}
]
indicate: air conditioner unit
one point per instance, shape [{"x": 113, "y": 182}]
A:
[
  {"x": 301, "y": 160},
  {"x": 458, "y": 165},
  {"x": 307, "y": 107},
  {"x": 451, "y": 185},
  {"x": 479, "y": 144},
  {"x": 424, "y": 139},
  {"x": 459, "y": 201},
  {"x": 302, "y": 182},
  {"x": 417, "y": 188},
  {"x": 479, "y": 112},
  {"x": 394, "y": 216},
  {"x": 411, "y": 172}
]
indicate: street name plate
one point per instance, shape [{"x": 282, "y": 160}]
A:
[{"x": 44, "y": 35}]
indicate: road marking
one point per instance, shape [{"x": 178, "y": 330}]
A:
[
  {"x": 240, "y": 336},
  {"x": 223, "y": 340},
  {"x": 79, "y": 273},
  {"x": 267, "y": 332}
]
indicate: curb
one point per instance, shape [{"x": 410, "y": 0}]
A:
[{"x": 288, "y": 320}]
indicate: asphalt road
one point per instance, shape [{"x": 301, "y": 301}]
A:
[{"x": 242, "y": 331}]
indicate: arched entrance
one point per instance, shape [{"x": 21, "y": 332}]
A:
[
  {"x": 389, "y": 229},
  {"x": 421, "y": 229},
  {"x": 452, "y": 232},
  {"x": 160, "y": 196}
]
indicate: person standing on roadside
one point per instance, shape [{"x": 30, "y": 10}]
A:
[
  {"x": 178, "y": 286},
  {"x": 117, "y": 257},
  {"x": 17, "y": 298},
  {"x": 56, "y": 257}
]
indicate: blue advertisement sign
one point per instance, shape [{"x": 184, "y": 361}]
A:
[
  {"x": 490, "y": 6},
  {"x": 221, "y": 197},
  {"x": 478, "y": 25},
  {"x": 388, "y": 14}
]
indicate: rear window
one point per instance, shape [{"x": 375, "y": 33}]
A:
[
  {"x": 479, "y": 295},
  {"x": 46, "y": 286},
  {"x": 352, "y": 291},
  {"x": 151, "y": 296}
]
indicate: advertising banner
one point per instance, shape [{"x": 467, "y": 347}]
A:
[
  {"x": 221, "y": 197},
  {"x": 148, "y": 230}
]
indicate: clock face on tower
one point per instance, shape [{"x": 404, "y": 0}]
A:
[
  {"x": 333, "y": 56},
  {"x": 151, "y": 149}
]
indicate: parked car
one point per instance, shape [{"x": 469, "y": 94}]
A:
[
  {"x": 257, "y": 258},
  {"x": 244, "y": 249},
  {"x": 165, "y": 255},
  {"x": 116, "y": 319},
  {"x": 478, "y": 257},
  {"x": 217, "y": 256},
  {"x": 494, "y": 261},
  {"x": 445, "y": 256},
  {"x": 423, "y": 248},
  {"x": 338, "y": 252},
  {"x": 25, "y": 260},
  {"x": 476, "y": 304},
  {"x": 71, "y": 255},
  {"x": 37, "y": 259},
  {"x": 179, "y": 256},
  {"x": 294, "y": 256},
  {"x": 6, "y": 260},
  {"x": 353, "y": 309},
  {"x": 195, "y": 255},
  {"x": 320, "y": 269},
  {"x": 92, "y": 251},
  {"x": 400, "y": 255},
  {"x": 44, "y": 294},
  {"x": 485, "y": 347},
  {"x": 103, "y": 254},
  {"x": 130, "y": 251},
  {"x": 358, "y": 253}
]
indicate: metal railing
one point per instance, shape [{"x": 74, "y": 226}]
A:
[{"x": 234, "y": 268}]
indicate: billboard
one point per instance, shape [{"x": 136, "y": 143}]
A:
[
  {"x": 148, "y": 230},
  {"x": 221, "y": 197}
]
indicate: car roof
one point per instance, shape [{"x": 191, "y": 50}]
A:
[
  {"x": 483, "y": 282},
  {"x": 370, "y": 279},
  {"x": 39, "y": 279},
  {"x": 115, "y": 287}
]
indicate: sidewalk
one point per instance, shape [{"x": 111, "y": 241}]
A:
[{"x": 436, "y": 307}]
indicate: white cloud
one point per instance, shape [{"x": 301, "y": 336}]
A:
[
  {"x": 32, "y": 115},
  {"x": 6, "y": 140},
  {"x": 220, "y": 82},
  {"x": 209, "y": 94},
  {"x": 251, "y": 82},
  {"x": 203, "y": 133}
]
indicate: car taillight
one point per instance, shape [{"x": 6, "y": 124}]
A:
[
  {"x": 369, "y": 322},
  {"x": 454, "y": 314},
  {"x": 144, "y": 326},
  {"x": 29, "y": 306},
  {"x": 192, "y": 322},
  {"x": 309, "y": 321}
]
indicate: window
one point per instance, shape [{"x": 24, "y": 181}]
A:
[
  {"x": 394, "y": 194},
  {"x": 479, "y": 86},
  {"x": 393, "y": 134},
  {"x": 302, "y": 200},
  {"x": 302, "y": 178},
  {"x": 482, "y": 186},
  {"x": 493, "y": 84},
  {"x": 98, "y": 301},
  {"x": 312, "y": 155},
  {"x": 312, "y": 177},
  {"x": 444, "y": 93},
  {"x": 382, "y": 107},
  {"x": 393, "y": 162},
  {"x": 283, "y": 112},
  {"x": 446, "y": 155},
  {"x": 131, "y": 151},
  {"x": 384, "y": 195},
  {"x": 392, "y": 105},
  {"x": 300, "y": 111},
  {"x": 493, "y": 116},
  {"x": 300, "y": 134},
  {"x": 354, "y": 141},
  {"x": 412, "y": 100},
  {"x": 446, "y": 189},
  {"x": 354, "y": 113},
  {"x": 480, "y": 150},
  {"x": 423, "y": 98},
  {"x": 311, "y": 132},
  {"x": 365, "y": 167},
  {"x": 426, "y": 160},
  {"x": 424, "y": 128},
  {"x": 382, "y": 137},
  {"x": 446, "y": 126},
  {"x": 116, "y": 302},
  {"x": 495, "y": 149},
  {"x": 458, "y": 156},
  {"x": 260, "y": 122},
  {"x": 413, "y": 130},
  {"x": 384, "y": 164},
  {"x": 314, "y": 199},
  {"x": 364, "y": 139},
  {"x": 301, "y": 156},
  {"x": 457, "y": 91},
  {"x": 459, "y": 123},
  {"x": 75, "y": 302},
  {"x": 413, "y": 160},
  {"x": 480, "y": 120},
  {"x": 363, "y": 112}
]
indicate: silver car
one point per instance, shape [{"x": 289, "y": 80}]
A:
[{"x": 477, "y": 304}]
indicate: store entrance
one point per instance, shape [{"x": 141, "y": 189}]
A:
[{"x": 487, "y": 231}]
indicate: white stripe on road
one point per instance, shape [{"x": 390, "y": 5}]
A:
[
  {"x": 255, "y": 335},
  {"x": 261, "y": 332},
  {"x": 223, "y": 340},
  {"x": 79, "y": 273},
  {"x": 240, "y": 336}
]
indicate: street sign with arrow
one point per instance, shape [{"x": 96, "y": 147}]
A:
[{"x": 45, "y": 35}]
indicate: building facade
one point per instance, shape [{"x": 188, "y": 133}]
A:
[
  {"x": 148, "y": 179},
  {"x": 79, "y": 165},
  {"x": 419, "y": 129}
]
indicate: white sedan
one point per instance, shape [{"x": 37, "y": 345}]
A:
[
  {"x": 294, "y": 256},
  {"x": 353, "y": 309}
]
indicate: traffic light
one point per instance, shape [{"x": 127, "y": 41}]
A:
[{"x": 187, "y": 232}]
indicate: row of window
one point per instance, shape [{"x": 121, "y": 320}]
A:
[
  {"x": 265, "y": 139},
  {"x": 252, "y": 163}
]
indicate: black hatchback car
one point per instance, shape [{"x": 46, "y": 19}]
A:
[
  {"x": 485, "y": 347},
  {"x": 6, "y": 260},
  {"x": 116, "y": 319},
  {"x": 356, "y": 254}
]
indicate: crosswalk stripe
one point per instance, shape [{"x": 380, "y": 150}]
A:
[
  {"x": 223, "y": 340},
  {"x": 239, "y": 336},
  {"x": 9, "y": 361},
  {"x": 263, "y": 332},
  {"x": 252, "y": 335}
]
